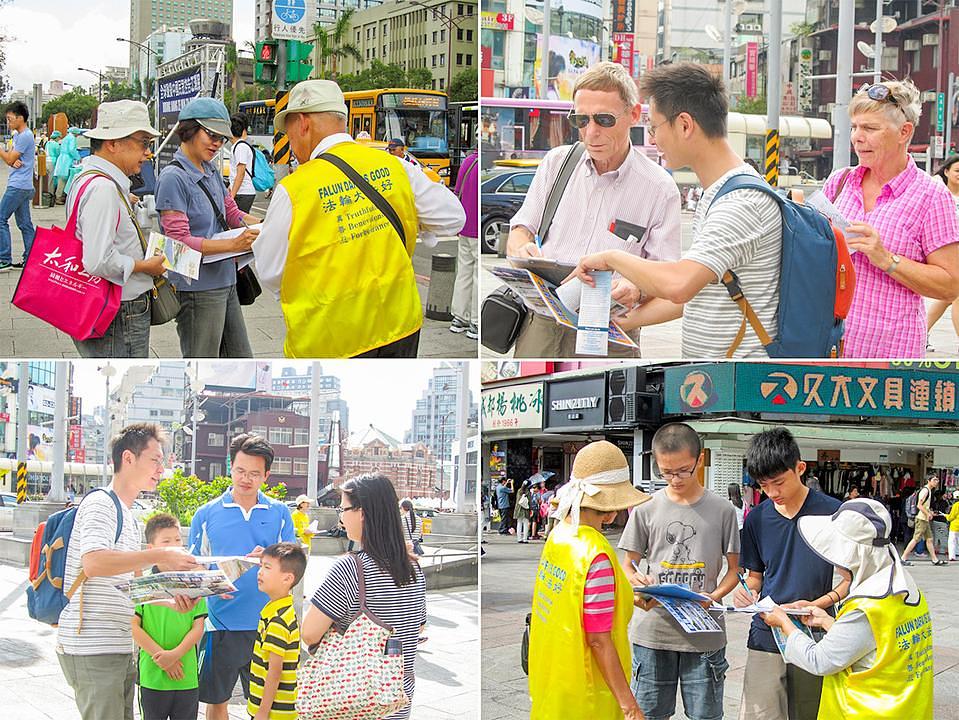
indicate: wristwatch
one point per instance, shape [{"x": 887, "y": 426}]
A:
[{"x": 895, "y": 263}]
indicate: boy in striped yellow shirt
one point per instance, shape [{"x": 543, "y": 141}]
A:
[{"x": 277, "y": 648}]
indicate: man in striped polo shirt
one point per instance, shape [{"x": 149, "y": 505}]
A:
[
  {"x": 613, "y": 181},
  {"x": 242, "y": 521}
]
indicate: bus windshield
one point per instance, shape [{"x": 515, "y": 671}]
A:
[{"x": 424, "y": 131}]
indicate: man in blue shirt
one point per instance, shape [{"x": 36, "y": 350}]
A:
[
  {"x": 16, "y": 200},
  {"x": 503, "y": 504},
  {"x": 782, "y": 566},
  {"x": 242, "y": 521}
]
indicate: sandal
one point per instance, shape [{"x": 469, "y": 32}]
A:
[{"x": 940, "y": 562}]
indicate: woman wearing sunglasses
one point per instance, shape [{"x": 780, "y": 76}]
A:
[
  {"x": 903, "y": 227},
  {"x": 194, "y": 205},
  {"x": 395, "y": 586}
]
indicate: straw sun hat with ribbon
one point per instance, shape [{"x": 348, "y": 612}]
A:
[{"x": 600, "y": 481}]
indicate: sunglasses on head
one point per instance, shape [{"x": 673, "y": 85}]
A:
[
  {"x": 581, "y": 120},
  {"x": 880, "y": 93}
]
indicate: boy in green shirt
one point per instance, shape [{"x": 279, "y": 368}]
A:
[
  {"x": 167, "y": 641},
  {"x": 276, "y": 652}
]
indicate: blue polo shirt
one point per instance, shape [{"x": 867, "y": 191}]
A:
[
  {"x": 179, "y": 189},
  {"x": 22, "y": 177},
  {"x": 221, "y": 527},
  {"x": 772, "y": 545}
]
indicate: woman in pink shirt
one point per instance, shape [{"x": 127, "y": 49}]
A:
[{"x": 903, "y": 227}]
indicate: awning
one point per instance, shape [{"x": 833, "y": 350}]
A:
[
  {"x": 834, "y": 432},
  {"x": 789, "y": 126}
]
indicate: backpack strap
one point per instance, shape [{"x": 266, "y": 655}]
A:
[
  {"x": 252, "y": 167},
  {"x": 842, "y": 184},
  {"x": 559, "y": 187},
  {"x": 224, "y": 225},
  {"x": 729, "y": 279}
]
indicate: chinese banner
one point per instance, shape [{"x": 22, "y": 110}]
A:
[
  {"x": 752, "y": 68},
  {"x": 624, "y": 50},
  {"x": 515, "y": 407}
]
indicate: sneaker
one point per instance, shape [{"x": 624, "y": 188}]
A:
[
  {"x": 5, "y": 266},
  {"x": 458, "y": 326},
  {"x": 18, "y": 265},
  {"x": 929, "y": 347},
  {"x": 471, "y": 332}
]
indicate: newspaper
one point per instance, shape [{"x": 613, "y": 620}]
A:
[
  {"x": 684, "y": 605},
  {"x": 767, "y": 604},
  {"x": 177, "y": 256},
  {"x": 780, "y": 637},
  {"x": 231, "y": 565},
  {"x": 540, "y": 297},
  {"x": 159, "y": 587},
  {"x": 243, "y": 257}
]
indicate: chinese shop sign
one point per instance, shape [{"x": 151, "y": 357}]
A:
[{"x": 516, "y": 407}]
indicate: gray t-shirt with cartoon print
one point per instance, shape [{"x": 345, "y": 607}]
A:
[{"x": 684, "y": 544}]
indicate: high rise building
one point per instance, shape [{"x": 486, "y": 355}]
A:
[
  {"x": 434, "y": 419},
  {"x": 295, "y": 385},
  {"x": 149, "y": 15},
  {"x": 154, "y": 395}
]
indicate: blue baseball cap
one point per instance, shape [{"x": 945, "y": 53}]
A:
[{"x": 210, "y": 113}]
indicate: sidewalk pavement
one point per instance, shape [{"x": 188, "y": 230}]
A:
[
  {"x": 664, "y": 342},
  {"x": 24, "y": 336},
  {"x": 508, "y": 573},
  {"x": 447, "y": 664}
]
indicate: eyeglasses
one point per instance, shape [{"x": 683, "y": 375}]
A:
[
  {"x": 677, "y": 475},
  {"x": 651, "y": 129},
  {"x": 340, "y": 510},
  {"x": 604, "y": 120},
  {"x": 215, "y": 137},
  {"x": 880, "y": 93},
  {"x": 144, "y": 143}
]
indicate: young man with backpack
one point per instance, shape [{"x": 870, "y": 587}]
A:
[
  {"x": 738, "y": 241},
  {"x": 918, "y": 508},
  {"x": 242, "y": 165},
  {"x": 94, "y": 638}
]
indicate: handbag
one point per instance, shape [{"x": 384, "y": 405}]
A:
[
  {"x": 247, "y": 286},
  {"x": 351, "y": 675},
  {"x": 503, "y": 311},
  {"x": 55, "y": 288}
]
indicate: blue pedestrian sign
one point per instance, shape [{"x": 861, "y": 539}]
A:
[{"x": 289, "y": 11}]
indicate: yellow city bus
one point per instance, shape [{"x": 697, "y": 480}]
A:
[{"x": 418, "y": 117}]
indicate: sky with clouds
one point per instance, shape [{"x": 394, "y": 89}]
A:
[{"x": 51, "y": 39}]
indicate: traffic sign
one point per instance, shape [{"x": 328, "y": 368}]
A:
[
  {"x": 293, "y": 19},
  {"x": 940, "y": 112}
]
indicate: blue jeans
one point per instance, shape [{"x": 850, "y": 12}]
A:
[
  {"x": 210, "y": 324},
  {"x": 657, "y": 672},
  {"x": 16, "y": 202},
  {"x": 128, "y": 335}
]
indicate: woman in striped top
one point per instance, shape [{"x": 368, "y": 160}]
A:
[{"x": 395, "y": 586}]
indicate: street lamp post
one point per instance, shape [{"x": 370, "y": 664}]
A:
[
  {"x": 149, "y": 51},
  {"x": 108, "y": 371},
  {"x": 99, "y": 82}
]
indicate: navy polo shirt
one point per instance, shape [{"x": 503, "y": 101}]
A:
[
  {"x": 772, "y": 545},
  {"x": 221, "y": 527},
  {"x": 178, "y": 189}
]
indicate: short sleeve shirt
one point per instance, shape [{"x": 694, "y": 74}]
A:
[
  {"x": 167, "y": 628},
  {"x": 178, "y": 189},
  {"x": 684, "y": 544},
  {"x": 105, "y": 629},
  {"x": 742, "y": 233},
  {"x": 791, "y": 571},
  {"x": 22, "y": 177},
  {"x": 243, "y": 155},
  {"x": 278, "y": 633},
  {"x": 402, "y": 607}
]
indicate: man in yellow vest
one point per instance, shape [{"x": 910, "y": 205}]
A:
[
  {"x": 338, "y": 238},
  {"x": 579, "y": 652},
  {"x": 876, "y": 655}
]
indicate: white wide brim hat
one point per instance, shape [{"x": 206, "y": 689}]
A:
[{"x": 120, "y": 119}]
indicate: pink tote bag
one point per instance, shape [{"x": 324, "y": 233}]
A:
[{"x": 55, "y": 288}]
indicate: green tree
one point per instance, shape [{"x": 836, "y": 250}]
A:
[
  {"x": 78, "y": 105},
  {"x": 463, "y": 87},
  {"x": 419, "y": 78},
  {"x": 332, "y": 45},
  {"x": 4, "y": 39},
  {"x": 182, "y": 495},
  {"x": 751, "y": 106},
  {"x": 120, "y": 91}
]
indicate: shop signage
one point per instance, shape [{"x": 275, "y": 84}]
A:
[
  {"x": 812, "y": 390},
  {"x": 623, "y": 43},
  {"x": 517, "y": 407},
  {"x": 577, "y": 404},
  {"x": 752, "y": 68},
  {"x": 623, "y": 16},
  {"x": 497, "y": 21}
]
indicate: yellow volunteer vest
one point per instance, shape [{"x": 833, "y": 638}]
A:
[
  {"x": 564, "y": 679},
  {"x": 899, "y": 685},
  {"x": 348, "y": 285}
]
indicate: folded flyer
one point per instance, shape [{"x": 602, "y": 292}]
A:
[
  {"x": 231, "y": 565},
  {"x": 159, "y": 587},
  {"x": 767, "y": 604},
  {"x": 540, "y": 297},
  {"x": 177, "y": 256},
  {"x": 684, "y": 605}
]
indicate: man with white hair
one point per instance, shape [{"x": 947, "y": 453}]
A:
[
  {"x": 338, "y": 239},
  {"x": 612, "y": 182}
]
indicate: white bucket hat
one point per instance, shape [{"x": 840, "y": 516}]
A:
[
  {"x": 856, "y": 538},
  {"x": 121, "y": 119},
  {"x": 312, "y": 96},
  {"x": 303, "y": 499}
]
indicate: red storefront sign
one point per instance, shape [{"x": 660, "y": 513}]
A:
[
  {"x": 624, "y": 49},
  {"x": 752, "y": 68}
]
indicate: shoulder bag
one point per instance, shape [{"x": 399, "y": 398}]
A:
[
  {"x": 247, "y": 286},
  {"x": 353, "y": 675},
  {"x": 503, "y": 311}
]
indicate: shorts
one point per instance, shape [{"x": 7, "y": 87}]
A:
[
  {"x": 923, "y": 530},
  {"x": 225, "y": 655},
  {"x": 700, "y": 677}
]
